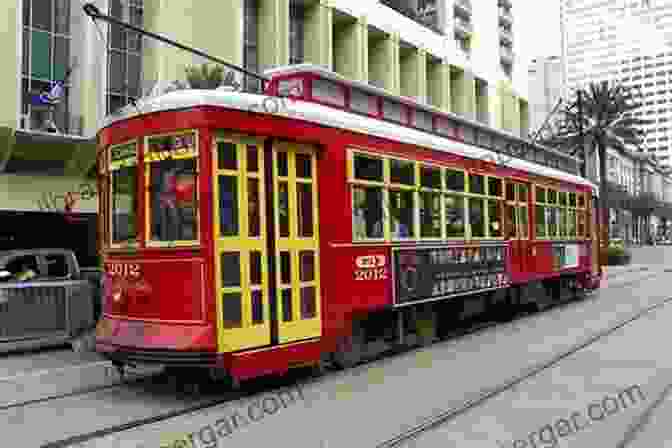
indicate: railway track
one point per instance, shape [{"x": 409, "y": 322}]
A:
[{"x": 435, "y": 420}]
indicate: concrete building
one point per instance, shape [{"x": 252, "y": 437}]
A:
[
  {"x": 628, "y": 41},
  {"x": 454, "y": 54},
  {"x": 640, "y": 194},
  {"x": 545, "y": 89}
]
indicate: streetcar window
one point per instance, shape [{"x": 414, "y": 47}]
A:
[
  {"x": 430, "y": 177},
  {"x": 304, "y": 199},
  {"x": 562, "y": 198},
  {"x": 287, "y": 305},
  {"x": 123, "y": 193},
  {"x": 476, "y": 218},
  {"x": 540, "y": 218},
  {"x": 552, "y": 197},
  {"x": 571, "y": 223},
  {"x": 454, "y": 206},
  {"x": 227, "y": 156},
  {"x": 572, "y": 199},
  {"x": 304, "y": 166},
  {"x": 172, "y": 163},
  {"x": 455, "y": 180},
  {"x": 494, "y": 218},
  {"x": 282, "y": 164},
  {"x": 582, "y": 200},
  {"x": 232, "y": 310},
  {"x": 541, "y": 195},
  {"x": 562, "y": 221},
  {"x": 253, "y": 207},
  {"x": 230, "y": 269},
  {"x": 173, "y": 200},
  {"x": 308, "y": 305},
  {"x": 401, "y": 213},
  {"x": 402, "y": 172},
  {"x": 257, "y": 307},
  {"x": 430, "y": 215},
  {"x": 283, "y": 209},
  {"x": 124, "y": 205},
  {"x": 285, "y": 268},
  {"x": 522, "y": 221},
  {"x": 510, "y": 191},
  {"x": 252, "y": 159},
  {"x": 522, "y": 193},
  {"x": 307, "y": 266},
  {"x": 367, "y": 212},
  {"x": 476, "y": 184},
  {"x": 494, "y": 186},
  {"x": 552, "y": 215},
  {"x": 255, "y": 267},
  {"x": 368, "y": 168},
  {"x": 228, "y": 205},
  {"x": 511, "y": 223}
]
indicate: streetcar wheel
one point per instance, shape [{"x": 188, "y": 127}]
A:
[{"x": 351, "y": 349}]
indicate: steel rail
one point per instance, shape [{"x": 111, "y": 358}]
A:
[{"x": 484, "y": 395}]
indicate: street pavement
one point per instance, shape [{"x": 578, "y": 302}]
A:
[{"x": 376, "y": 401}]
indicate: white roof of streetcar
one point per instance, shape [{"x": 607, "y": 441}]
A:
[{"x": 335, "y": 118}]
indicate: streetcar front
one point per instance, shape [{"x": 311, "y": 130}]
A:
[{"x": 151, "y": 235}]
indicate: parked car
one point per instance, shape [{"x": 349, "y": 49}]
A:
[{"x": 46, "y": 298}]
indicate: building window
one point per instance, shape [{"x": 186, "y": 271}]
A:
[
  {"x": 250, "y": 44},
  {"x": 46, "y": 58},
  {"x": 124, "y": 56},
  {"x": 296, "y": 33}
]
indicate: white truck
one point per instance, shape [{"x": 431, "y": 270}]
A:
[{"x": 46, "y": 299}]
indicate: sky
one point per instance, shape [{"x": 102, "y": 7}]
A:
[{"x": 538, "y": 33}]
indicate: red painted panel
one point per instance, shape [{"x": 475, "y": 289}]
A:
[
  {"x": 277, "y": 360},
  {"x": 365, "y": 273},
  {"x": 143, "y": 292},
  {"x": 152, "y": 335}
]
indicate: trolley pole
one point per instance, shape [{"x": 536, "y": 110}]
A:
[{"x": 92, "y": 11}]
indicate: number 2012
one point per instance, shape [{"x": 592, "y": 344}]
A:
[{"x": 371, "y": 274}]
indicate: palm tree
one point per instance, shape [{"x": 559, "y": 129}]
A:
[
  {"x": 600, "y": 116},
  {"x": 204, "y": 77}
]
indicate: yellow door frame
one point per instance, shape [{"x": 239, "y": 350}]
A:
[
  {"x": 246, "y": 334},
  {"x": 302, "y": 325}
]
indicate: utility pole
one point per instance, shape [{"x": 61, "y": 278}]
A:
[{"x": 581, "y": 141}]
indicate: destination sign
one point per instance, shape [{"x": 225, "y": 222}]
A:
[
  {"x": 423, "y": 274},
  {"x": 124, "y": 155},
  {"x": 184, "y": 142}
]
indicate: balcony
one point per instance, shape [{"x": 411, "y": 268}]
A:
[
  {"x": 463, "y": 8},
  {"x": 463, "y": 28},
  {"x": 505, "y": 36},
  {"x": 426, "y": 15},
  {"x": 505, "y": 16},
  {"x": 506, "y": 55}
]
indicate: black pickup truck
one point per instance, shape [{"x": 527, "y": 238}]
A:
[{"x": 46, "y": 298}]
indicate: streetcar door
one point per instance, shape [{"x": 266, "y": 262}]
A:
[
  {"x": 296, "y": 242},
  {"x": 517, "y": 220},
  {"x": 241, "y": 274}
]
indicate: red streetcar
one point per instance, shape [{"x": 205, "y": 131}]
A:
[{"x": 250, "y": 234}]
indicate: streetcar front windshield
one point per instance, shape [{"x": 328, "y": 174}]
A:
[
  {"x": 171, "y": 164},
  {"x": 123, "y": 192}
]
